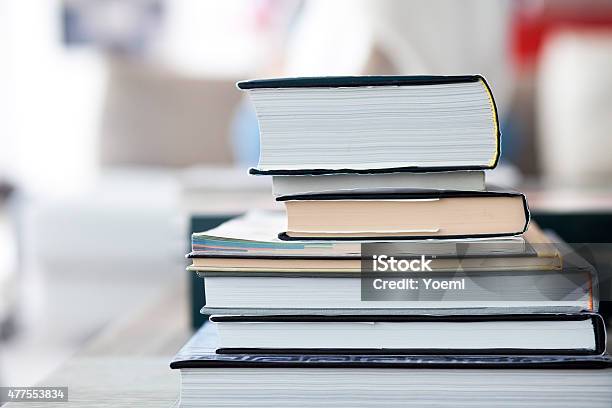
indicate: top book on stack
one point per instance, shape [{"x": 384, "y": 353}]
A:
[{"x": 374, "y": 124}]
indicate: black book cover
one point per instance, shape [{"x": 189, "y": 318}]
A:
[
  {"x": 357, "y": 81},
  {"x": 199, "y": 352},
  {"x": 599, "y": 332}
]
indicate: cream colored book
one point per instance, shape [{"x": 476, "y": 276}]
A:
[{"x": 400, "y": 214}]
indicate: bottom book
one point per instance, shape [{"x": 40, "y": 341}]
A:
[{"x": 293, "y": 380}]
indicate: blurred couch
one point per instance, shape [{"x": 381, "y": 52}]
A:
[{"x": 156, "y": 117}]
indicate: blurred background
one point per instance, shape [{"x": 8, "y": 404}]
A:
[{"x": 119, "y": 120}]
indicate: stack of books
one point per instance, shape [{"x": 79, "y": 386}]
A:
[{"x": 369, "y": 169}]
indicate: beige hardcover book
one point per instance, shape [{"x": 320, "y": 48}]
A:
[{"x": 427, "y": 214}]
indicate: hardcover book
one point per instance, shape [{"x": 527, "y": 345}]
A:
[
  {"x": 374, "y": 124},
  {"x": 405, "y": 215},
  {"x": 508, "y": 334},
  {"x": 322, "y": 380},
  {"x": 533, "y": 291}
]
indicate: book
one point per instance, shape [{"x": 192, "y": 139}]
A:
[
  {"x": 329, "y": 125},
  {"x": 485, "y": 263},
  {"x": 255, "y": 234},
  {"x": 538, "y": 253},
  {"x": 444, "y": 180},
  {"x": 532, "y": 291},
  {"x": 289, "y": 289},
  {"x": 405, "y": 215},
  {"x": 211, "y": 379},
  {"x": 529, "y": 334},
  {"x": 249, "y": 244},
  {"x": 486, "y": 310}
]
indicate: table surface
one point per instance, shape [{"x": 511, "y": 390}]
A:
[{"x": 127, "y": 364}]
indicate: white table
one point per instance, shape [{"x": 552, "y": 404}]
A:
[{"x": 127, "y": 364}]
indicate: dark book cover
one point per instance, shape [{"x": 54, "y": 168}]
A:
[
  {"x": 599, "y": 332},
  {"x": 200, "y": 352}
]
